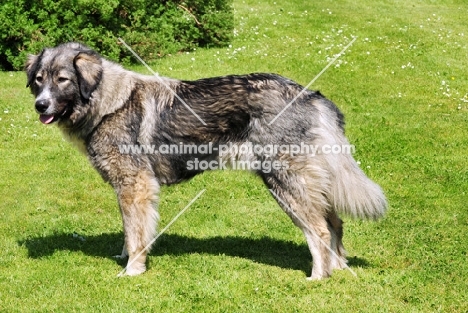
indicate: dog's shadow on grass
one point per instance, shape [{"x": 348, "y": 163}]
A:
[{"x": 265, "y": 250}]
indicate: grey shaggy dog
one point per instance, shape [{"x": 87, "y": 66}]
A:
[{"x": 100, "y": 107}]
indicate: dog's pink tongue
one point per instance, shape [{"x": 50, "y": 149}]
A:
[{"x": 46, "y": 119}]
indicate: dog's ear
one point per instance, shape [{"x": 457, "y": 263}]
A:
[
  {"x": 88, "y": 65},
  {"x": 31, "y": 66}
]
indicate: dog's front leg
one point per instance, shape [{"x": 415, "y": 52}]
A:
[
  {"x": 124, "y": 253},
  {"x": 137, "y": 197}
]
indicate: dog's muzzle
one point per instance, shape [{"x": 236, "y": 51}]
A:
[{"x": 42, "y": 105}]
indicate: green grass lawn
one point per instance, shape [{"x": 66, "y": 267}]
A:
[{"x": 403, "y": 86}]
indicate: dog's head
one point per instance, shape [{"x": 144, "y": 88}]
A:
[{"x": 63, "y": 79}]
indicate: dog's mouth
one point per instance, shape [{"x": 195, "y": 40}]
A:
[
  {"x": 47, "y": 119},
  {"x": 51, "y": 118}
]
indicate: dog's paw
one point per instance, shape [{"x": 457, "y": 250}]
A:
[
  {"x": 339, "y": 263},
  {"x": 123, "y": 255},
  {"x": 318, "y": 276},
  {"x": 135, "y": 270}
]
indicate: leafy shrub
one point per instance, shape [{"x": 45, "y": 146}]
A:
[{"x": 152, "y": 28}]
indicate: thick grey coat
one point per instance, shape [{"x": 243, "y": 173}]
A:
[{"x": 101, "y": 107}]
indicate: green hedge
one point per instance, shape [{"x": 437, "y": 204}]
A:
[{"x": 151, "y": 28}]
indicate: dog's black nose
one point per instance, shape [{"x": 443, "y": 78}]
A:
[{"x": 42, "y": 105}]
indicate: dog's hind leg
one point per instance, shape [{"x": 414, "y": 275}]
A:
[
  {"x": 336, "y": 229},
  {"x": 319, "y": 240},
  {"x": 308, "y": 212},
  {"x": 137, "y": 196}
]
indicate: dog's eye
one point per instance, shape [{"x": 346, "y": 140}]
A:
[
  {"x": 62, "y": 79},
  {"x": 39, "y": 79}
]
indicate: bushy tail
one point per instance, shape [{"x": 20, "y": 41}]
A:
[{"x": 354, "y": 194}]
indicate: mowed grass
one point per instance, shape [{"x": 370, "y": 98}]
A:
[{"x": 403, "y": 88}]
